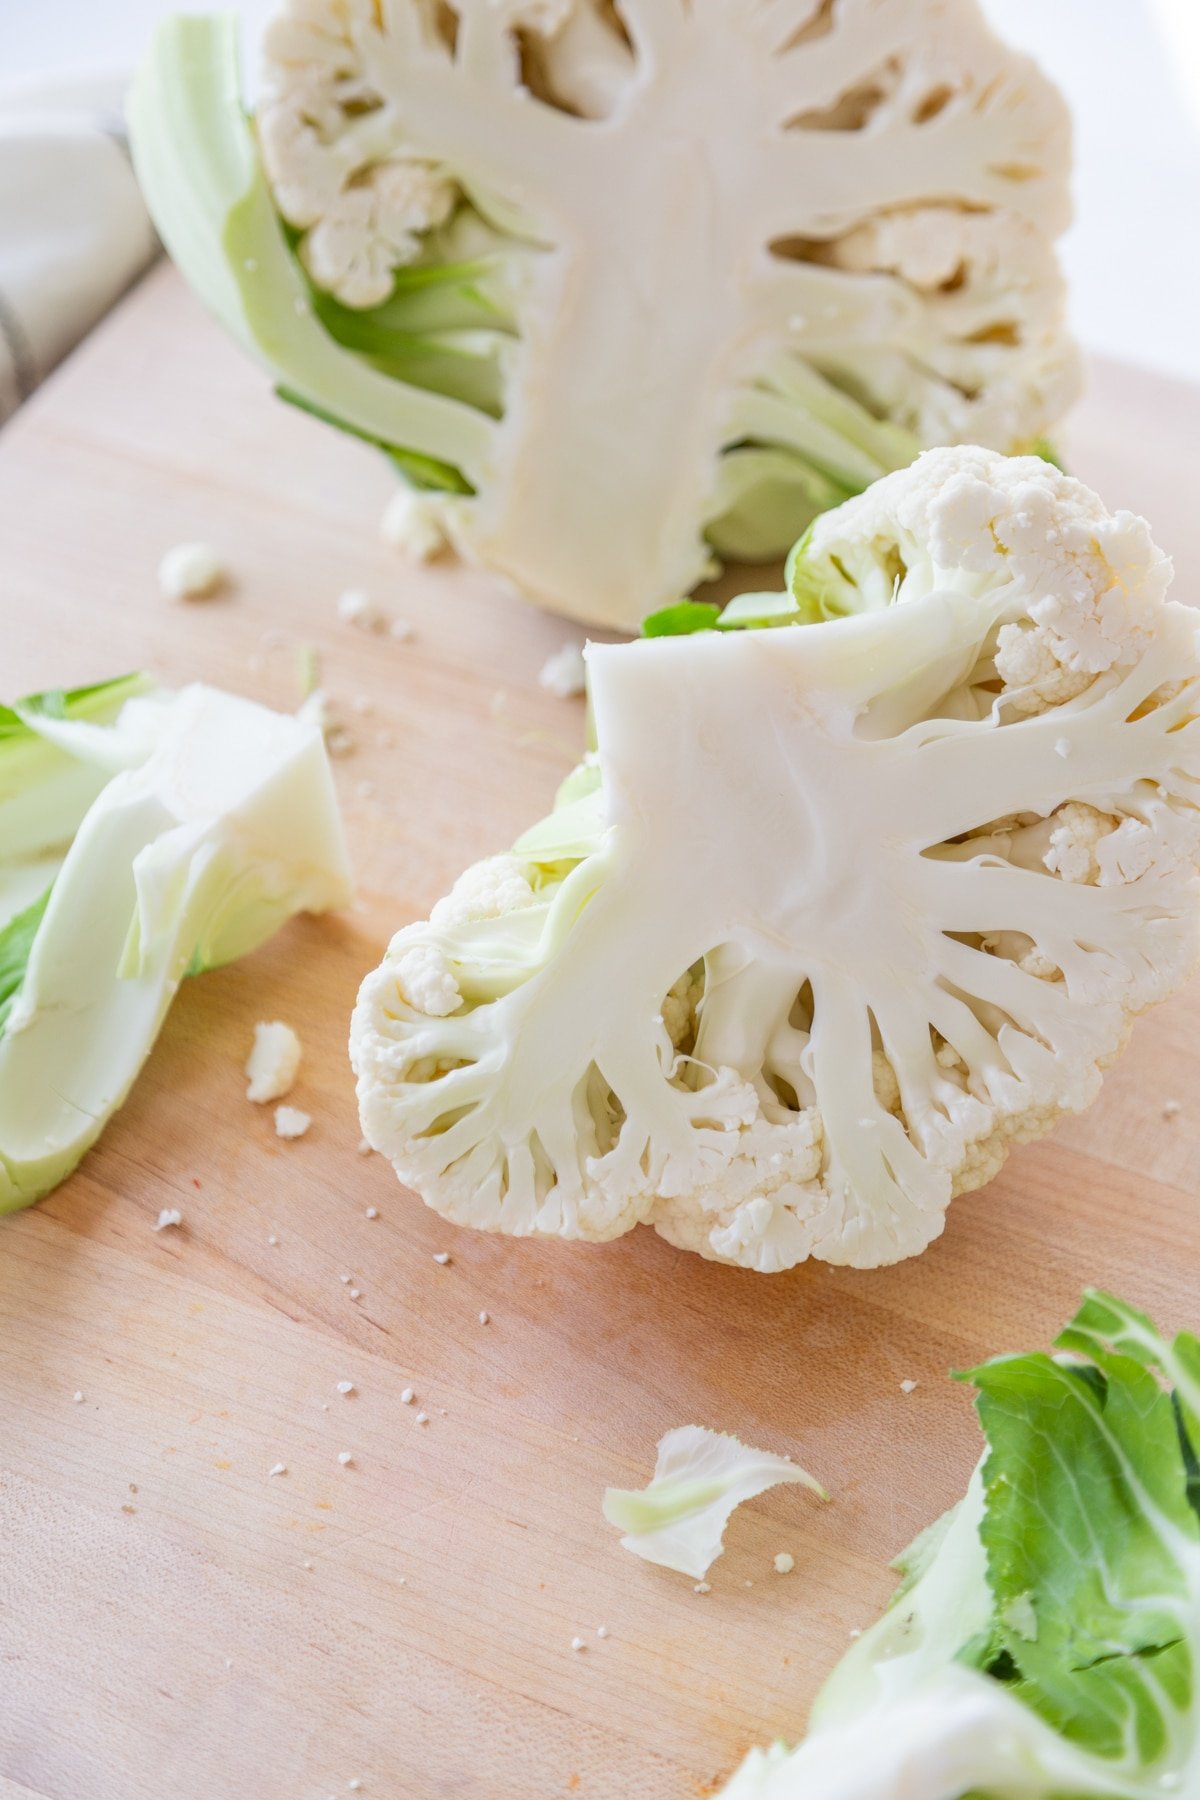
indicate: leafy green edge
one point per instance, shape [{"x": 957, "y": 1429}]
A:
[{"x": 16, "y": 947}]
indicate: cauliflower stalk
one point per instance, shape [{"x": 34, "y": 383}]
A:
[
  {"x": 701, "y": 269},
  {"x": 146, "y": 836},
  {"x": 1044, "y": 1638},
  {"x": 840, "y": 911}
]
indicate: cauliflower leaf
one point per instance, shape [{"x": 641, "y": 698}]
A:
[
  {"x": 626, "y": 286},
  {"x": 700, "y": 1476},
  {"x": 840, "y": 911},
  {"x": 162, "y": 834},
  {"x": 1046, "y": 1636}
]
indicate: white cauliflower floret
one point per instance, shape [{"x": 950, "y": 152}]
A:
[
  {"x": 424, "y": 979},
  {"x": 1033, "y": 676},
  {"x": 1075, "y": 840},
  {"x": 913, "y": 933},
  {"x": 986, "y": 329},
  {"x": 373, "y": 229},
  {"x": 330, "y": 154},
  {"x": 486, "y": 891},
  {"x": 1077, "y": 589},
  {"x": 415, "y": 523}
]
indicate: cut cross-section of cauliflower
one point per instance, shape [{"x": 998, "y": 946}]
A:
[
  {"x": 622, "y": 283},
  {"x": 783, "y": 984}
]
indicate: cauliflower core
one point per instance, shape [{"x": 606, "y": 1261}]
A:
[
  {"x": 849, "y": 907},
  {"x": 639, "y": 279}
]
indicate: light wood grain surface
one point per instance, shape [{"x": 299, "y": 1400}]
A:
[{"x": 173, "y": 1621}]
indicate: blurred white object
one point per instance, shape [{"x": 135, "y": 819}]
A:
[
  {"x": 1130, "y": 70},
  {"x": 1179, "y": 22},
  {"x": 73, "y": 230}
]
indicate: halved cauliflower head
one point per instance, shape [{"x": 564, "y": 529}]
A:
[
  {"x": 702, "y": 267},
  {"x": 840, "y": 912}
]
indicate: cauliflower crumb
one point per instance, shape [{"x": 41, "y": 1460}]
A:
[
  {"x": 414, "y": 523},
  {"x": 345, "y": 1458},
  {"x": 273, "y": 1063},
  {"x": 564, "y": 674},
  {"x": 278, "y": 1469},
  {"x": 702, "y": 1587},
  {"x": 407, "y": 1397},
  {"x": 170, "y": 1215},
  {"x": 357, "y": 608},
  {"x": 290, "y": 1122},
  {"x": 190, "y": 572},
  {"x": 785, "y": 1562},
  {"x": 908, "y": 1387},
  {"x": 345, "y": 1387},
  {"x": 424, "y": 980}
]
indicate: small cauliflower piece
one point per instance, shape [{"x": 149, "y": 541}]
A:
[
  {"x": 783, "y": 986},
  {"x": 273, "y": 1063},
  {"x": 357, "y": 608},
  {"x": 700, "y": 1476},
  {"x": 414, "y": 523},
  {"x": 290, "y": 1122},
  {"x": 564, "y": 674},
  {"x": 190, "y": 572},
  {"x": 425, "y": 981}
]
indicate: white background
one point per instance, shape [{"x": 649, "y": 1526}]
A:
[{"x": 1130, "y": 69}]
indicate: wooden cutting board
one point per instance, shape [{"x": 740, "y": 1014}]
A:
[{"x": 174, "y": 1621}]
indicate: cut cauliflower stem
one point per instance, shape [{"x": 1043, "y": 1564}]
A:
[
  {"x": 621, "y": 285},
  {"x": 831, "y": 922}
]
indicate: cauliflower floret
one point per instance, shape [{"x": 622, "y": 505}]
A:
[
  {"x": 1076, "y": 590},
  {"x": 987, "y": 332},
  {"x": 487, "y": 890},
  {"x": 424, "y": 979},
  {"x": 1034, "y": 678},
  {"x": 372, "y": 229},
  {"x": 329, "y": 152},
  {"x": 416, "y": 523},
  {"x": 913, "y": 937},
  {"x": 1075, "y": 840}
]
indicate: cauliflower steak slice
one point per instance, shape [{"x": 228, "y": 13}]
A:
[
  {"x": 839, "y": 912},
  {"x": 699, "y": 267}
]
